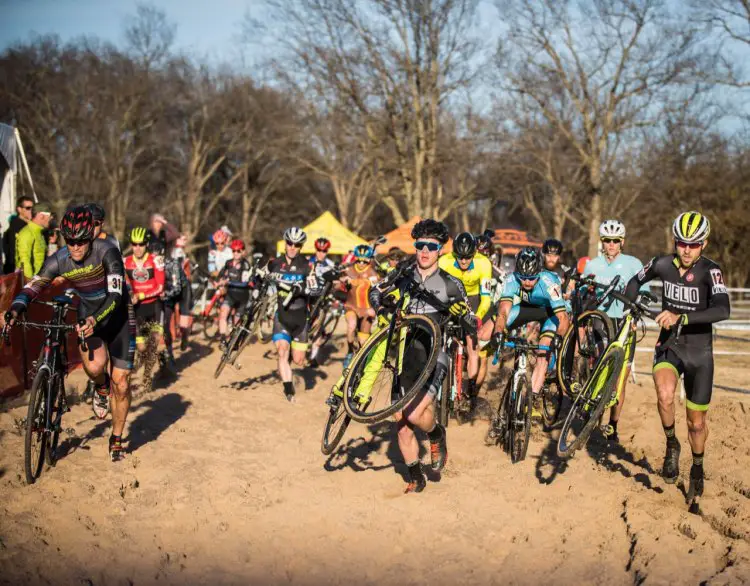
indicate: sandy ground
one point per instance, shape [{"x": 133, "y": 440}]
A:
[{"x": 225, "y": 484}]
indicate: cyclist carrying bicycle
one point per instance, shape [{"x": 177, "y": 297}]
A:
[
  {"x": 95, "y": 269},
  {"x": 475, "y": 272},
  {"x": 430, "y": 236},
  {"x": 320, "y": 263},
  {"x": 357, "y": 281},
  {"x": 235, "y": 278},
  {"x": 290, "y": 272},
  {"x": 694, "y": 297},
  {"x": 219, "y": 256},
  {"x": 603, "y": 269},
  {"x": 144, "y": 272},
  {"x": 532, "y": 294}
]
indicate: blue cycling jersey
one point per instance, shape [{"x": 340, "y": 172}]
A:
[
  {"x": 547, "y": 292},
  {"x": 604, "y": 271}
]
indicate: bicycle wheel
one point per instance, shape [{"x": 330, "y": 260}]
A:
[
  {"x": 231, "y": 351},
  {"x": 444, "y": 400},
  {"x": 35, "y": 441},
  {"x": 265, "y": 320},
  {"x": 582, "y": 347},
  {"x": 336, "y": 425},
  {"x": 519, "y": 424},
  {"x": 388, "y": 378},
  {"x": 210, "y": 324},
  {"x": 552, "y": 397},
  {"x": 590, "y": 403},
  {"x": 57, "y": 410},
  {"x": 330, "y": 323}
]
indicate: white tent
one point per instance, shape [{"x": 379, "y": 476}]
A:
[{"x": 12, "y": 162}]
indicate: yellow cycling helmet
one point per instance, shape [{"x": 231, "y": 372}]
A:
[
  {"x": 138, "y": 235},
  {"x": 691, "y": 227}
]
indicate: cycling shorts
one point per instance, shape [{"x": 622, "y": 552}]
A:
[
  {"x": 150, "y": 313},
  {"x": 696, "y": 364},
  {"x": 186, "y": 301},
  {"x": 291, "y": 327},
  {"x": 119, "y": 338},
  {"x": 522, "y": 314},
  {"x": 236, "y": 299}
]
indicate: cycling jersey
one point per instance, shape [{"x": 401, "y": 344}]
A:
[
  {"x": 98, "y": 280},
  {"x": 358, "y": 288},
  {"x": 700, "y": 294},
  {"x": 603, "y": 271},
  {"x": 541, "y": 304},
  {"x": 701, "y": 297},
  {"x": 237, "y": 274},
  {"x": 476, "y": 280},
  {"x": 218, "y": 258},
  {"x": 320, "y": 267},
  {"x": 289, "y": 273},
  {"x": 145, "y": 277}
]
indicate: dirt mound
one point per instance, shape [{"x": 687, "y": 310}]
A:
[{"x": 225, "y": 483}]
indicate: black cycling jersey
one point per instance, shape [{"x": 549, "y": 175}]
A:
[
  {"x": 290, "y": 273},
  {"x": 98, "y": 279},
  {"x": 700, "y": 294},
  {"x": 237, "y": 275}
]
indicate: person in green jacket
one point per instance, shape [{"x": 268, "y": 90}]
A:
[{"x": 31, "y": 246}]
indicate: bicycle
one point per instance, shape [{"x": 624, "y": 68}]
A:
[
  {"x": 368, "y": 398},
  {"x": 601, "y": 391},
  {"x": 47, "y": 401},
  {"x": 512, "y": 424},
  {"x": 451, "y": 395},
  {"x": 326, "y": 311}
]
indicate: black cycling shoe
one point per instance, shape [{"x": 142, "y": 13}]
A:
[
  {"x": 116, "y": 449},
  {"x": 671, "y": 469},
  {"x": 696, "y": 483},
  {"x": 439, "y": 450},
  {"x": 610, "y": 433},
  {"x": 417, "y": 481},
  {"x": 289, "y": 392}
]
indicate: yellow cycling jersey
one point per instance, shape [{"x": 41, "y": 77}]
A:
[{"x": 477, "y": 278}]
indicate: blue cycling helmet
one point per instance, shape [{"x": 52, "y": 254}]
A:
[{"x": 363, "y": 251}]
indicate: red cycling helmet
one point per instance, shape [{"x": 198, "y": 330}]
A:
[
  {"x": 220, "y": 237},
  {"x": 77, "y": 224},
  {"x": 322, "y": 244},
  {"x": 237, "y": 245},
  {"x": 582, "y": 264}
]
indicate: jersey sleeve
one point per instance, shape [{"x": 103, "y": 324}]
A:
[
  {"x": 648, "y": 273},
  {"x": 211, "y": 261},
  {"x": 49, "y": 271},
  {"x": 718, "y": 300},
  {"x": 553, "y": 294},
  {"x": 485, "y": 290},
  {"x": 114, "y": 269},
  {"x": 510, "y": 289}
]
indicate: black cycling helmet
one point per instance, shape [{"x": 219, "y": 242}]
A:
[
  {"x": 528, "y": 262},
  {"x": 552, "y": 246},
  {"x": 97, "y": 212},
  {"x": 77, "y": 225},
  {"x": 484, "y": 243},
  {"x": 464, "y": 245},
  {"x": 430, "y": 229}
]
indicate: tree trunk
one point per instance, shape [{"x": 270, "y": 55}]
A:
[{"x": 595, "y": 218}]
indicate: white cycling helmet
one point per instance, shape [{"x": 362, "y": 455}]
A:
[
  {"x": 691, "y": 227},
  {"x": 612, "y": 229},
  {"x": 295, "y": 235}
]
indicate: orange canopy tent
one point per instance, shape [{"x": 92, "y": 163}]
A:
[
  {"x": 514, "y": 240},
  {"x": 401, "y": 238}
]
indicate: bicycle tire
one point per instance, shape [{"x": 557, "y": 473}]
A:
[
  {"x": 564, "y": 361},
  {"x": 265, "y": 322},
  {"x": 520, "y": 423},
  {"x": 210, "y": 325},
  {"x": 56, "y": 415},
  {"x": 329, "y": 326},
  {"x": 552, "y": 397},
  {"x": 356, "y": 369},
  {"x": 610, "y": 365},
  {"x": 335, "y": 427},
  {"x": 443, "y": 409},
  {"x": 229, "y": 353},
  {"x": 36, "y": 421}
]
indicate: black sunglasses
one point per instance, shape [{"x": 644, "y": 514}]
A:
[
  {"x": 611, "y": 240},
  {"x": 293, "y": 244},
  {"x": 76, "y": 242}
]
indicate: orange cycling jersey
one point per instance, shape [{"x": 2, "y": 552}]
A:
[{"x": 360, "y": 281}]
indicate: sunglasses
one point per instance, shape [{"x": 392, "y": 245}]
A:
[
  {"x": 138, "y": 244},
  {"x": 237, "y": 251},
  {"x": 362, "y": 260},
  {"x": 293, "y": 244},
  {"x": 611, "y": 240},
  {"x": 690, "y": 245},
  {"x": 76, "y": 243},
  {"x": 527, "y": 277},
  {"x": 465, "y": 257},
  {"x": 431, "y": 246},
  {"x": 27, "y": 207}
]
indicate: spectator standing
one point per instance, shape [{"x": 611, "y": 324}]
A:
[
  {"x": 24, "y": 206},
  {"x": 31, "y": 245}
]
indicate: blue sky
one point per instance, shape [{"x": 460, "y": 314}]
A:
[{"x": 208, "y": 28}]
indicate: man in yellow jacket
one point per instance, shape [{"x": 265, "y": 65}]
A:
[{"x": 31, "y": 246}]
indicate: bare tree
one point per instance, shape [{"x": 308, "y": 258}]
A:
[
  {"x": 150, "y": 35},
  {"x": 390, "y": 66},
  {"x": 600, "y": 71}
]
